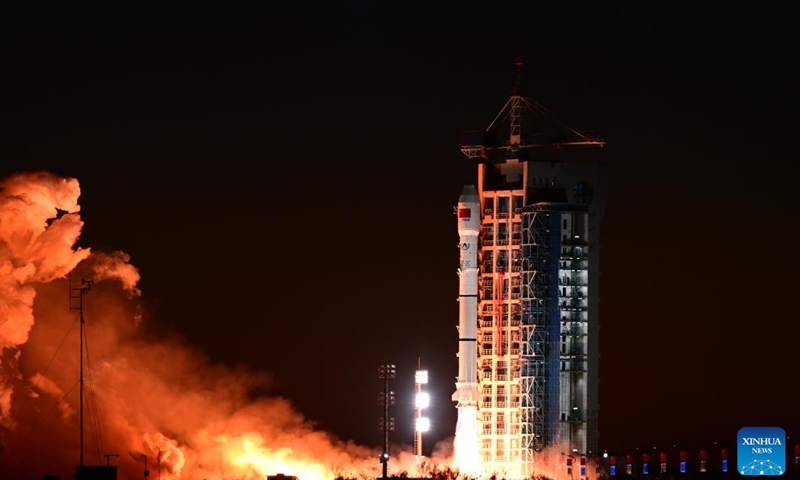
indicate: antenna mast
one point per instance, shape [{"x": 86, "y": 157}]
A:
[
  {"x": 516, "y": 106},
  {"x": 78, "y": 294}
]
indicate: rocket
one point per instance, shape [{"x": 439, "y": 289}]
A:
[{"x": 466, "y": 393}]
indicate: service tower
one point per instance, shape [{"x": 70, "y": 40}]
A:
[{"x": 538, "y": 289}]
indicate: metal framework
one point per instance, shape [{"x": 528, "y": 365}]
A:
[
  {"x": 536, "y": 346},
  {"x": 536, "y": 327},
  {"x": 386, "y": 372},
  {"x": 515, "y": 111},
  {"x": 532, "y": 332},
  {"x": 516, "y": 108},
  {"x": 500, "y": 336},
  {"x": 573, "y": 282}
]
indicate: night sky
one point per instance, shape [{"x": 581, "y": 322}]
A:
[{"x": 284, "y": 179}]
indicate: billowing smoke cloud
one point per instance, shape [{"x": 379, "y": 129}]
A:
[
  {"x": 148, "y": 398},
  {"x": 33, "y": 250}
]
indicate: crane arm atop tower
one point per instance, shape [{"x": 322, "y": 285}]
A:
[{"x": 517, "y": 116}]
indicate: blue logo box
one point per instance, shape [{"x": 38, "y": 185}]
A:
[{"x": 761, "y": 451}]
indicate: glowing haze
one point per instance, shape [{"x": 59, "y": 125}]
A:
[
  {"x": 466, "y": 450},
  {"x": 145, "y": 395}
]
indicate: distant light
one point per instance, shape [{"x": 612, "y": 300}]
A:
[
  {"x": 422, "y": 400},
  {"x": 421, "y": 376},
  {"x": 422, "y": 424},
  {"x": 605, "y": 454}
]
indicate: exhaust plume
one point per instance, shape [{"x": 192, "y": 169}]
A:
[{"x": 145, "y": 396}]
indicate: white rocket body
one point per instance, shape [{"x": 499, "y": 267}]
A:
[{"x": 466, "y": 393}]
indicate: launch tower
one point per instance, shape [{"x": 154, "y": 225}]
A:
[{"x": 538, "y": 281}]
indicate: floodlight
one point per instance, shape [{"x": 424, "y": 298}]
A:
[{"x": 423, "y": 424}]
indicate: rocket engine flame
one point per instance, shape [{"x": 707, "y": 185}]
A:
[
  {"x": 157, "y": 397},
  {"x": 466, "y": 447}
]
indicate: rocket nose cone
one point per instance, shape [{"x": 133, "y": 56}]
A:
[{"x": 468, "y": 194}]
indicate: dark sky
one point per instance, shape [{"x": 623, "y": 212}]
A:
[{"x": 284, "y": 179}]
